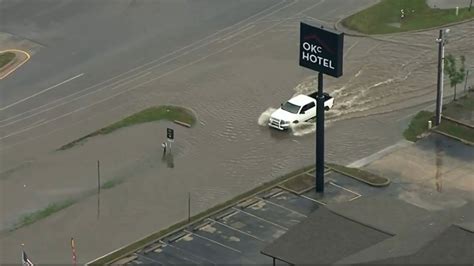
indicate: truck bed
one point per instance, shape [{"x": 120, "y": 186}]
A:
[{"x": 315, "y": 94}]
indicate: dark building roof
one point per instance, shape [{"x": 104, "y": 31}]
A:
[
  {"x": 454, "y": 246},
  {"x": 324, "y": 237}
]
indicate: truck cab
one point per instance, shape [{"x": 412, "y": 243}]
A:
[{"x": 300, "y": 108}]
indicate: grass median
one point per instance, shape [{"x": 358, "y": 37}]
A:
[
  {"x": 42, "y": 213},
  {"x": 418, "y": 125},
  {"x": 166, "y": 112},
  {"x": 462, "y": 107},
  {"x": 6, "y": 58},
  {"x": 361, "y": 175},
  {"x": 456, "y": 130},
  {"x": 385, "y": 17}
]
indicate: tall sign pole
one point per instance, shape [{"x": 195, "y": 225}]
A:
[
  {"x": 320, "y": 136},
  {"x": 321, "y": 50}
]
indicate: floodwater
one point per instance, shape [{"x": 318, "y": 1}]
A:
[
  {"x": 230, "y": 150},
  {"x": 232, "y": 141}
]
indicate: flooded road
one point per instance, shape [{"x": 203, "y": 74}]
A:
[{"x": 232, "y": 83}]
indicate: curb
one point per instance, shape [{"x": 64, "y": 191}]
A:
[
  {"x": 361, "y": 223},
  {"x": 15, "y": 67},
  {"x": 457, "y": 121},
  {"x": 380, "y": 154},
  {"x": 453, "y": 137},
  {"x": 182, "y": 123},
  {"x": 360, "y": 179}
]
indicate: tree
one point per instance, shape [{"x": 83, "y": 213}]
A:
[{"x": 456, "y": 76}]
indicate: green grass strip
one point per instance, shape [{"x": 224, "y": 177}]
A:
[
  {"x": 361, "y": 175},
  {"x": 112, "y": 183},
  {"x": 43, "y": 213},
  {"x": 151, "y": 114},
  {"x": 461, "y": 105},
  {"x": 385, "y": 17},
  {"x": 456, "y": 130},
  {"x": 6, "y": 58},
  {"x": 418, "y": 125}
]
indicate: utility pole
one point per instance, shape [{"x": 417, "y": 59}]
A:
[
  {"x": 98, "y": 189},
  {"x": 189, "y": 207},
  {"x": 470, "y": 5},
  {"x": 465, "y": 82},
  {"x": 439, "y": 95}
]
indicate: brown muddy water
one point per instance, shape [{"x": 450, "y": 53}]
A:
[
  {"x": 231, "y": 144},
  {"x": 230, "y": 150}
]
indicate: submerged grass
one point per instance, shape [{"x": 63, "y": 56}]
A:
[
  {"x": 361, "y": 175},
  {"x": 457, "y": 130},
  {"x": 43, "y": 213},
  {"x": 418, "y": 125},
  {"x": 6, "y": 58},
  {"x": 151, "y": 114}
]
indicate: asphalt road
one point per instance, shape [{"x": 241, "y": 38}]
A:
[
  {"x": 228, "y": 65},
  {"x": 103, "y": 38}
]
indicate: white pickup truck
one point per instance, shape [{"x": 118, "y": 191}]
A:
[{"x": 300, "y": 108}]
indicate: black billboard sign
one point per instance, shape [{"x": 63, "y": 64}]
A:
[
  {"x": 321, "y": 50},
  {"x": 170, "y": 134}
]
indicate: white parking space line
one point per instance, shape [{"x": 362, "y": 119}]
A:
[
  {"x": 237, "y": 230},
  {"x": 317, "y": 201},
  {"x": 41, "y": 92},
  {"x": 213, "y": 241},
  {"x": 262, "y": 219},
  {"x": 336, "y": 185},
  {"x": 283, "y": 207},
  {"x": 356, "y": 197},
  {"x": 185, "y": 251},
  {"x": 144, "y": 257}
]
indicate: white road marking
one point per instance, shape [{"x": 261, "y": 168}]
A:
[
  {"x": 70, "y": 95},
  {"x": 283, "y": 207},
  {"x": 140, "y": 256},
  {"x": 146, "y": 82},
  {"x": 167, "y": 73},
  {"x": 75, "y": 99},
  {"x": 260, "y": 218},
  {"x": 354, "y": 198},
  {"x": 182, "y": 54},
  {"x": 237, "y": 33},
  {"x": 213, "y": 241},
  {"x": 75, "y": 123},
  {"x": 336, "y": 185},
  {"x": 350, "y": 48},
  {"x": 37, "y": 122},
  {"x": 317, "y": 201},
  {"x": 235, "y": 229},
  {"x": 188, "y": 252},
  {"x": 41, "y": 92},
  {"x": 28, "y": 56}
]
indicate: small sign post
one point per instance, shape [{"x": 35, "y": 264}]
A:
[
  {"x": 170, "y": 135},
  {"x": 321, "y": 50}
]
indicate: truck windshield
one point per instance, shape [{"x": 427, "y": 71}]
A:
[{"x": 289, "y": 107}]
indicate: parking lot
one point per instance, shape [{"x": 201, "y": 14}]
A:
[{"x": 239, "y": 233}]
